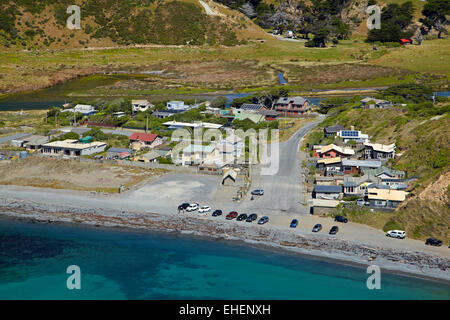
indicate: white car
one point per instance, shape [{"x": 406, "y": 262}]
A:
[
  {"x": 396, "y": 234},
  {"x": 204, "y": 209},
  {"x": 192, "y": 207}
]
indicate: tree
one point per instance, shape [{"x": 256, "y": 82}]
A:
[
  {"x": 435, "y": 13},
  {"x": 321, "y": 37},
  {"x": 219, "y": 102}
]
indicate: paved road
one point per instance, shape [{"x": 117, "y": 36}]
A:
[{"x": 282, "y": 191}]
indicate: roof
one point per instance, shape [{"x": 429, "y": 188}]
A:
[
  {"x": 361, "y": 163},
  {"x": 350, "y": 184},
  {"x": 381, "y": 147},
  {"x": 124, "y": 154},
  {"x": 368, "y": 99},
  {"x": 386, "y": 194},
  {"x": 146, "y": 137},
  {"x": 152, "y": 155},
  {"x": 333, "y": 129},
  {"x": 252, "y": 106},
  {"x": 378, "y": 186},
  {"x": 405, "y": 40},
  {"x": 342, "y": 150},
  {"x": 294, "y": 100},
  {"x": 329, "y": 160},
  {"x": 35, "y": 140},
  {"x": 192, "y": 148},
  {"x": 249, "y": 115},
  {"x": 73, "y": 144},
  {"x": 383, "y": 169},
  {"x": 327, "y": 189},
  {"x": 270, "y": 113},
  {"x": 206, "y": 125},
  {"x": 140, "y": 102},
  {"x": 119, "y": 150},
  {"x": 230, "y": 172}
]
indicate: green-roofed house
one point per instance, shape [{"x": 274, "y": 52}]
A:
[
  {"x": 385, "y": 173},
  {"x": 242, "y": 115}
]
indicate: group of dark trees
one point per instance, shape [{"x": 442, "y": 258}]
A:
[{"x": 322, "y": 19}]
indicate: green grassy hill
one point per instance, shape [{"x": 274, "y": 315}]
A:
[{"x": 34, "y": 24}]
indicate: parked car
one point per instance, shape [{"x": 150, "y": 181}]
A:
[
  {"x": 294, "y": 223},
  {"x": 217, "y": 213},
  {"x": 258, "y": 192},
  {"x": 433, "y": 242},
  {"x": 396, "y": 234},
  {"x": 341, "y": 219},
  {"x": 263, "y": 220},
  {"x": 317, "y": 228},
  {"x": 204, "y": 209},
  {"x": 334, "y": 230},
  {"x": 360, "y": 202},
  {"x": 183, "y": 206},
  {"x": 192, "y": 207},
  {"x": 242, "y": 216},
  {"x": 231, "y": 215},
  {"x": 252, "y": 217}
]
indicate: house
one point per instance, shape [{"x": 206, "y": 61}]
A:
[
  {"x": 213, "y": 111},
  {"x": 115, "y": 152},
  {"x": 354, "y": 135},
  {"x": 385, "y": 198},
  {"x": 198, "y": 124},
  {"x": 405, "y": 41},
  {"x": 379, "y": 151},
  {"x": 377, "y": 103},
  {"x": 333, "y": 151},
  {"x": 269, "y": 115},
  {"x": 243, "y": 114},
  {"x": 385, "y": 173},
  {"x": 197, "y": 154},
  {"x": 84, "y": 109},
  {"x": 178, "y": 106},
  {"x": 151, "y": 156},
  {"x": 351, "y": 189},
  {"x": 140, "y": 105},
  {"x": 252, "y": 106},
  {"x": 332, "y": 130},
  {"x": 161, "y": 114},
  {"x": 229, "y": 177},
  {"x": 34, "y": 142},
  {"x": 292, "y": 106},
  {"x": 231, "y": 145},
  {"x": 119, "y": 114},
  {"x": 350, "y": 166},
  {"x": 329, "y": 166},
  {"x": 72, "y": 148},
  {"x": 140, "y": 140},
  {"x": 327, "y": 192},
  {"x": 393, "y": 183}
]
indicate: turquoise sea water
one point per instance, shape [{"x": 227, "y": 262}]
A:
[{"x": 134, "y": 265}]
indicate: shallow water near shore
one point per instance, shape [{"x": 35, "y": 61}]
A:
[{"x": 143, "y": 265}]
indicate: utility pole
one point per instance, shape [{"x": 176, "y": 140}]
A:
[{"x": 146, "y": 124}]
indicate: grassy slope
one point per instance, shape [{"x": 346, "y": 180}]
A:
[{"x": 420, "y": 140}]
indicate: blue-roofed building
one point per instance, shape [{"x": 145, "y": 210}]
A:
[{"x": 355, "y": 135}]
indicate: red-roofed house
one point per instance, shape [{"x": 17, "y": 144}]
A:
[
  {"x": 405, "y": 41},
  {"x": 140, "y": 140}
]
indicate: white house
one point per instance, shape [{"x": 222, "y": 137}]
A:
[
  {"x": 176, "y": 105},
  {"x": 197, "y": 154},
  {"x": 355, "y": 135},
  {"x": 84, "y": 109},
  {"x": 379, "y": 151},
  {"x": 141, "y": 105},
  {"x": 72, "y": 148}
]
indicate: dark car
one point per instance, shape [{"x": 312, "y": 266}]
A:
[
  {"x": 217, "y": 213},
  {"x": 317, "y": 228},
  {"x": 231, "y": 215},
  {"x": 433, "y": 242},
  {"x": 252, "y": 217},
  {"x": 242, "y": 216},
  {"x": 263, "y": 220},
  {"x": 258, "y": 192},
  {"x": 183, "y": 206},
  {"x": 334, "y": 230},
  {"x": 341, "y": 219},
  {"x": 294, "y": 223}
]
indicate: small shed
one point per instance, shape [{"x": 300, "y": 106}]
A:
[{"x": 229, "y": 177}]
